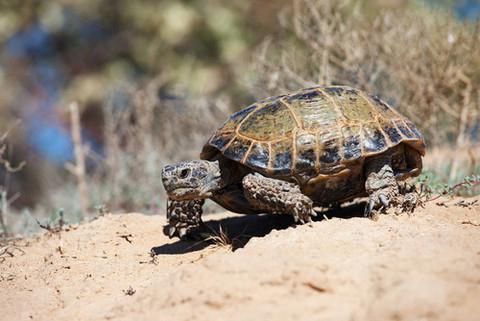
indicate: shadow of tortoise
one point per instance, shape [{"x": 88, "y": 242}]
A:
[{"x": 237, "y": 231}]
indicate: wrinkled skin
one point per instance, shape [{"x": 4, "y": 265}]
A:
[
  {"x": 191, "y": 180},
  {"x": 182, "y": 215},
  {"x": 188, "y": 184}
]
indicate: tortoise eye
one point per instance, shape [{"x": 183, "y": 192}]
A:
[{"x": 184, "y": 173}]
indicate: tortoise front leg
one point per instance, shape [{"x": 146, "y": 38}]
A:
[
  {"x": 277, "y": 197},
  {"x": 183, "y": 215}
]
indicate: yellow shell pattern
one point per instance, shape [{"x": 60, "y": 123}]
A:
[{"x": 313, "y": 130}]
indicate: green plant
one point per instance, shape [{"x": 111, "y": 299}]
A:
[{"x": 433, "y": 188}]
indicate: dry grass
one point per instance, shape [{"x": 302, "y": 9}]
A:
[
  {"x": 441, "y": 159},
  {"x": 220, "y": 238},
  {"x": 224, "y": 239},
  {"x": 78, "y": 169},
  {"x": 5, "y": 199},
  {"x": 145, "y": 132},
  {"x": 145, "y": 128},
  {"x": 425, "y": 64}
]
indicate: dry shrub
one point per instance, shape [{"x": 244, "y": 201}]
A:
[
  {"x": 439, "y": 160},
  {"x": 426, "y": 64},
  {"x": 6, "y": 169},
  {"x": 147, "y": 129}
]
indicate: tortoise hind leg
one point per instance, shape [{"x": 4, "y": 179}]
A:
[
  {"x": 382, "y": 175},
  {"x": 277, "y": 197},
  {"x": 380, "y": 184}
]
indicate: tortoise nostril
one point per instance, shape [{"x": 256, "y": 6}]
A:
[{"x": 184, "y": 173}]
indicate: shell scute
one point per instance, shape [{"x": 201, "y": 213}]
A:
[
  {"x": 352, "y": 147},
  {"x": 335, "y": 91},
  {"x": 232, "y": 123},
  {"x": 330, "y": 148},
  {"x": 312, "y": 131},
  {"x": 330, "y": 155},
  {"x": 237, "y": 149},
  {"x": 353, "y": 106},
  {"x": 414, "y": 130},
  {"x": 383, "y": 107},
  {"x": 258, "y": 156},
  {"x": 227, "y": 132},
  {"x": 406, "y": 132},
  {"x": 314, "y": 109},
  {"x": 221, "y": 140},
  {"x": 391, "y": 130},
  {"x": 271, "y": 121},
  {"x": 306, "y": 144},
  {"x": 282, "y": 154},
  {"x": 373, "y": 139},
  {"x": 304, "y": 96}
]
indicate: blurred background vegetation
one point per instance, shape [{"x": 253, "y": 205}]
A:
[{"x": 153, "y": 79}]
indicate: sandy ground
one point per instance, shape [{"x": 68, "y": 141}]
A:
[{"x": 420, "y": 267}]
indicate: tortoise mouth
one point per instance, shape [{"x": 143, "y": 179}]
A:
[
  {"x": 187, "y": 193},
  {"x": 180, "y": 194}
]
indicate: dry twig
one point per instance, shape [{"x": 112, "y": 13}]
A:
[{"x": 78, "y": 169}]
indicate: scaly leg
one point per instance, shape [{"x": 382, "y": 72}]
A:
[
  {"x": 183, "y": 215},
  {"x": 383, "y": 188},
  {"x": 277, "y": 197},
  {"x": 380, "y": 184}
]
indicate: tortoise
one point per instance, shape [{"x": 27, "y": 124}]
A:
[{"x": 293, "y": 153}]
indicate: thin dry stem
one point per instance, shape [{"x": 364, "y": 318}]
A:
[
  {"x": 150, "y": 129},
  {"x": 4, "y": 200},
  {"x": 220, "y": 238},
  {"x": 78, "y": 169}
]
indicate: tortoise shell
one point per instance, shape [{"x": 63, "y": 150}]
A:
[{"x": 318, "y": 130}]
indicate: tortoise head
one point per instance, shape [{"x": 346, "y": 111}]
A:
[{"x": 191, "y": 180}]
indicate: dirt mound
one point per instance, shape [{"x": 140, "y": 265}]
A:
[{"x": 420, "y": 267}]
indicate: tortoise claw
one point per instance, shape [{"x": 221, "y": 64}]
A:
[
  {"x": 384, "y": 200},
  {"x": 298, "y": 219},
  {"x": 182, "y": 232},
  {"x": 303, "y": 216},
  {"x": 369, "y": 208},
  {"x": 171, "y": 231}
]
